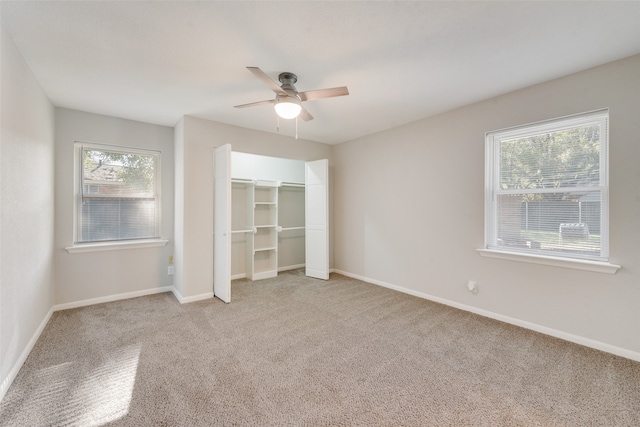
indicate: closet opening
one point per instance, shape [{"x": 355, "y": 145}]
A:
[{"x": 271, "y": 215}]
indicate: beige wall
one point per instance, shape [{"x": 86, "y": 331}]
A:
[
  {"x": 95, "y": 275},
  {"x": 26, "y": 217},
  {"x": 409, "y": 211},
  {"x": 199, "y": 137}
]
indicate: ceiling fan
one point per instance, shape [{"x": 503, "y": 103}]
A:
[{"x": 288, "y": 101}]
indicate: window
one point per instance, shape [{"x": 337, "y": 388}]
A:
[
  {"x": 117, "y": 194},
  {"x": 546, "y": 190}
]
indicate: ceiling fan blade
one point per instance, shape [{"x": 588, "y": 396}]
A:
[
  {"x": 267, "y": 80},
  {"x": 305, "y": 115},
  {"x": 253, "y": 104},
  {"x": 323, "y": 93}
]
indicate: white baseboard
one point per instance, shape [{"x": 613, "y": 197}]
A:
[
  {"x": 110, "y": 298},
  {"x": 8, "y": 380},
  {"x": 291, "y": 267},
  {"x": 285, "y": 268},
  {"x": 587, "y": 342},
  {"x": 194, "y": 298}
]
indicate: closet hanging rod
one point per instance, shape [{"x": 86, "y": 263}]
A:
[
  {"x": 290, "y": 228},
  {"x": 292, "y": 184},
  {"x": 241, "y": 231},
  {"x": 241, "y": 181}
]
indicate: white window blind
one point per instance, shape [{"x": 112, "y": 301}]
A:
[
  {"x": 117, "y": 194},
  {"x": 547, "y": 188}
]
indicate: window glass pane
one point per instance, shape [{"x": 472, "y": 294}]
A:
[
  {"x": 564, "y": 223},
  {"x": 118, "y": 195},
  {"x": 108, "y": 172},
  {"x": 559, "y": 159},
  {"x": 116, "y": 219}
]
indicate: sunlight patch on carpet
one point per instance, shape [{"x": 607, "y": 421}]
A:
[{"x": 91, "y": 398}]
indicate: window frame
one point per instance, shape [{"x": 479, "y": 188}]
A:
[
  {"x": 492, "y": 191},
  {"x": 89, "y": 246}
]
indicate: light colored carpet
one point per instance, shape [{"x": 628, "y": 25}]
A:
[{"x": 294, "y": 351}]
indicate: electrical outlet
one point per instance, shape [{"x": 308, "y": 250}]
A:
[
  {"x": 472, "y": 286},
  {"x": 170, "y": 270}
]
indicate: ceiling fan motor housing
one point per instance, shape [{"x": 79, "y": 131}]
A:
[
  {"x": 288, "y": 80},
  {"x": 287, "y": 77}
]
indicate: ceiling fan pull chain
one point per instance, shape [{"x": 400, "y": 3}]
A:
[
  {"x": 296, "y": 127},
  {"x": 278, "y": 126}
]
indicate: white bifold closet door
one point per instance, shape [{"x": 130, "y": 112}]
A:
[
  {"x": 222, "y": 224},
  {"x": 317, "y": 219}
]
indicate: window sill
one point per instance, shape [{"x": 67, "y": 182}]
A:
[
  {"x": 115, "y": 246},
  {"x": 576, "y": 264}
]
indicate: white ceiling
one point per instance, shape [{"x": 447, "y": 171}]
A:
[{"x": 402, "y": 61}]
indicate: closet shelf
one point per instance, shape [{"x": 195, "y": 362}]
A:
[
  {"x": 265, "y": 183},
  {"x": 264, "y": 249}
]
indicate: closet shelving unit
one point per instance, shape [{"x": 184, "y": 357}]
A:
[
  {"x": 260, "y": 226},
  {"x": 267, "y": 227},
  {"x": 264, "y": 248}
]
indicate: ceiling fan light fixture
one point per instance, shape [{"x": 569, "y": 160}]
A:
[{"x": 288, "y": 108}]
